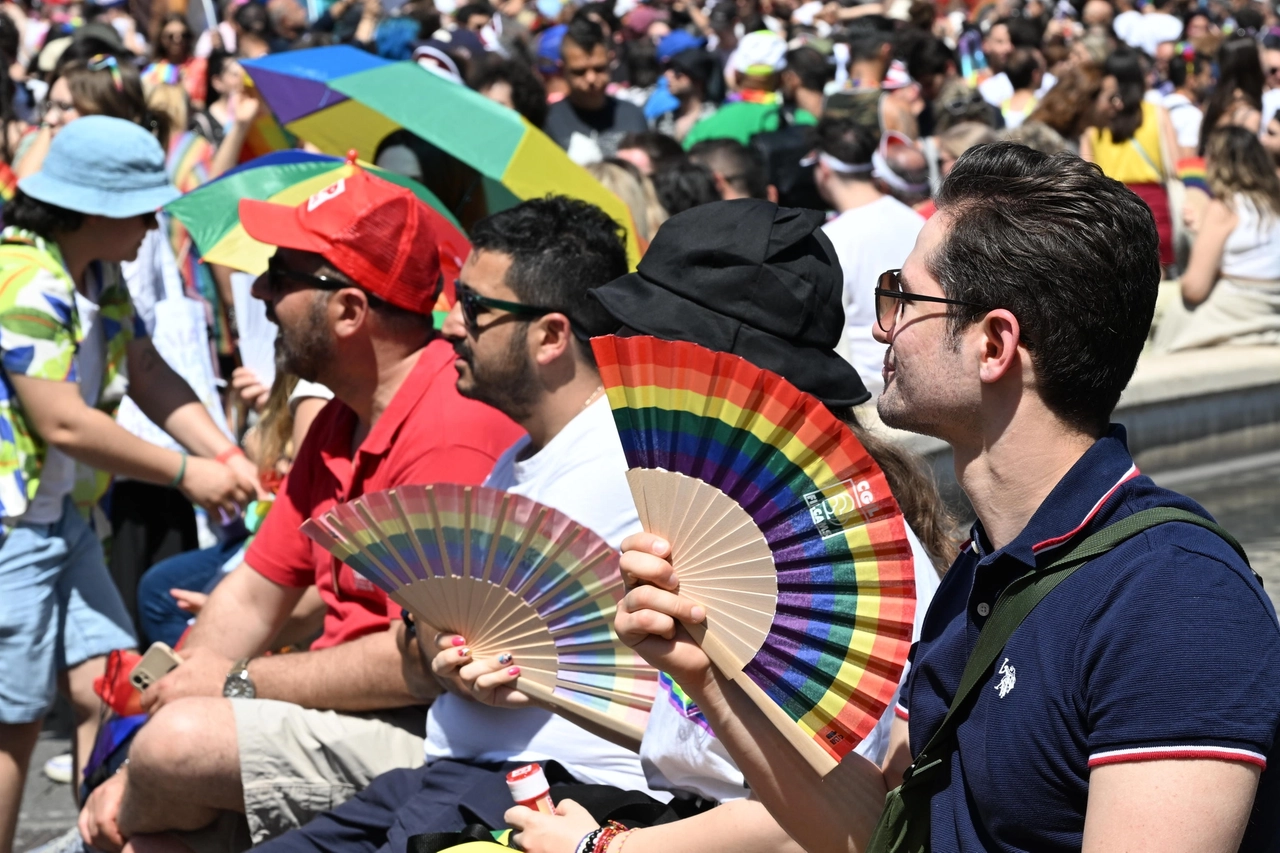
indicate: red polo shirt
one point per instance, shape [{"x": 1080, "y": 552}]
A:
[{"x": 429, "y": 434}]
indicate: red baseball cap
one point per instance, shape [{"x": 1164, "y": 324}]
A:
[{"x": 376, "y": 233}]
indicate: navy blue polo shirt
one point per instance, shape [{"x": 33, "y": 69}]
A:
[{"x": 1167, "y": 647}]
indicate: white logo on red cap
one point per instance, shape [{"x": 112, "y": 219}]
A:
[{"x": 327, "y": 193}]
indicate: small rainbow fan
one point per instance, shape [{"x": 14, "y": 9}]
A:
[
  {"x": 781, "y": 526},
  {"x": 510, "y": 575}
]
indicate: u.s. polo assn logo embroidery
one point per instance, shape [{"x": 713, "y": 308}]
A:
[{"x": 1008, "y": 678}]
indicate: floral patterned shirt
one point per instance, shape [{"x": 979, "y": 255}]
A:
[{"x": 40, "y": 336}]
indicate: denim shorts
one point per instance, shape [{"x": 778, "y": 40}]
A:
[{"x": 58, "y": 608}]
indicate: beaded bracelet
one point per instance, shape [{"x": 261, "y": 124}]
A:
[
  {"x": 606, "y": 836},
  {"x": 588, "y": 842}
]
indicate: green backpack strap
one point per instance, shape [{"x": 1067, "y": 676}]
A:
[{"x": 904, "y": 825}]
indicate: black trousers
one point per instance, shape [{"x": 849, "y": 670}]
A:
[{"x": 149, "y": 524}]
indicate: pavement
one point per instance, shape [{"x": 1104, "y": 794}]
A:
[{"x": 48, "y": 809}]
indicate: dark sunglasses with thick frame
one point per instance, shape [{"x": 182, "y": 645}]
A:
[
  {"x": 472, "y": 303},
  {"x": 890, "y": 298},
  {"x": 277, "y": 275}
]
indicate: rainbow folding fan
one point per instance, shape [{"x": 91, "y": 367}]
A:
[
  {"x": 781, "y": 526},
  {"x": 510, "y": 575}
]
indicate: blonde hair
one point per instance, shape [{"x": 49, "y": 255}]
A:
[
  {"x": 1236, "y": 164},
  {"x": 636, "y": 192},
  {"x": 170, "y": 100}
]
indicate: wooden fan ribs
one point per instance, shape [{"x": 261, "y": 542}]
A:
[
  {"x": 510, "y": 575},
  {"x": 822, "y": 641}
]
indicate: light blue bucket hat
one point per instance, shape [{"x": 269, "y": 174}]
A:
[{"x": 104, "y": 166}]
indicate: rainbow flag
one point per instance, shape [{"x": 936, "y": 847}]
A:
[{"x": 1192, "y": 174}]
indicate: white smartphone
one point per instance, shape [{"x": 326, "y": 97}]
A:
[{"x": 155, "y": 665}]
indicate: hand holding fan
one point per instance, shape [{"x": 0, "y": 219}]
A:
[
  {"x": 510, "y": 575},
  {"x": 781, "y": 526}
]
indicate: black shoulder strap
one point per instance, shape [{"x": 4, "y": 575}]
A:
[{"x": 1022, "y": 596}]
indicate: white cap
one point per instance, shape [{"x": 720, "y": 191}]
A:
[{"x": 760, "y": 53}]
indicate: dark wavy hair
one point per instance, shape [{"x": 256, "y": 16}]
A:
[
  {"x": 1125, "y": 64},
  {"x": 528, "y": 95},
  {"x": 40, "y": 217},
  {"x": 1239, "y": 71},
  {"x": 1071, "y": 253},
  {"x": 560, "y": 249}
]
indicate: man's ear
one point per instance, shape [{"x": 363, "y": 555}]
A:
[
  {"x": 349, "y": 311},
  {"x": 555, "y": 336},
  {"x": 1001, "y": 337}
]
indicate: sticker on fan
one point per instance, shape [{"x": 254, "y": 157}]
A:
[{"x": 834, "y": 507}]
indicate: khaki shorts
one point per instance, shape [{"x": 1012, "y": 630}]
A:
[{"x": 296, "y": 763}]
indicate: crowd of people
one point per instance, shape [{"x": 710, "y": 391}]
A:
[{"x": 987, "y": 213}]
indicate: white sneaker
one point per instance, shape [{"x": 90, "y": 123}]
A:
[{"x": 60, "y": 768}]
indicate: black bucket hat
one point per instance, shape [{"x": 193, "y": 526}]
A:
[{"x": 750, "y": 278}]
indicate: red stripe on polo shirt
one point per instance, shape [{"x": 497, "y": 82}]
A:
[
  {"x": 1164, "y": 753},
  {"x": 901, "y": 713},
  {"x": 1058, "y": 540}
]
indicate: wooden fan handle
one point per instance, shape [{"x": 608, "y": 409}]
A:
[
  {"x": 555, "y": 703},
  {"x": 732, "y": 668}
]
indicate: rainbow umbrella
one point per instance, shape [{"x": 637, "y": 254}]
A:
[
  {"x": 340, "y": 98},
  {"x": 211, "y": 213}
]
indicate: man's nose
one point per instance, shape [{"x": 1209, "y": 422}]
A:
[
  {"x": 261, "y": 288},
  {"x": 454, "y": 328}
]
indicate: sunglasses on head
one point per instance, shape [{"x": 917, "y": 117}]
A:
[
  {"x": 473, "y": 304},
  {"x": 891, "y": 299}
]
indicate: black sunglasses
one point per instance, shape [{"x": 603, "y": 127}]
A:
[
  {"x": 890, "y": 299},
  {"x": 473, "y": 303},
  {"x": 277, "y": 275}
]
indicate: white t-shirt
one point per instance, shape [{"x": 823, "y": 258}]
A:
[
  {"x": 1186, "y": 118},
  {"x": 869, "y": 240},
  {"x": 1270, "y": 106},
  {"x": 997, "y": 89},
  {"x": 1146, "y": 32},
  {"x": 680, "y": 753},
  {"x": 582, "y": 473}
]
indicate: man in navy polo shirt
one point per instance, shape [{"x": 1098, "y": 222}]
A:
[{"x": 1137, "y": 707}]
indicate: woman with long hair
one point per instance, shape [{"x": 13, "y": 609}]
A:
[
  {"x": 1132, "y": 140},
  {"x": 1069, "y": 106},
  {"x": 1232, "y": 283},
  {"x": 172, "y": 55},
  {"x": 101, "y": 85},
  {"x": 1237, "y": 97}
]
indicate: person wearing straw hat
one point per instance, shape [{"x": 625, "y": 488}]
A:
[{"x": 67, "y": 328}]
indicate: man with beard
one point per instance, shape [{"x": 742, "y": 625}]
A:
[
  {"x": 1135, "y": 706},
  {"x": 523, "y": 299},
  {"x": 279, "y": 739}
]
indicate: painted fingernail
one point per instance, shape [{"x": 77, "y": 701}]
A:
[
  {"x": 504, "y": 658},
  {"x": 462, "y": 653},
  {"x": 515, "y": 670},
  {"x": 457, "y": 641}
]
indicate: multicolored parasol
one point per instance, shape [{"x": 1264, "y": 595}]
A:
[
  {"x": 340, "y": 98},
  {"x": 210, "y": 213}
]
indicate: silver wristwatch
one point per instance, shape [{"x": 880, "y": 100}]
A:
[{"x": 238, "y": 684}]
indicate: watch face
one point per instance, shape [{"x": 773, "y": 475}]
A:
[{"x": 238, "y": 686}]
